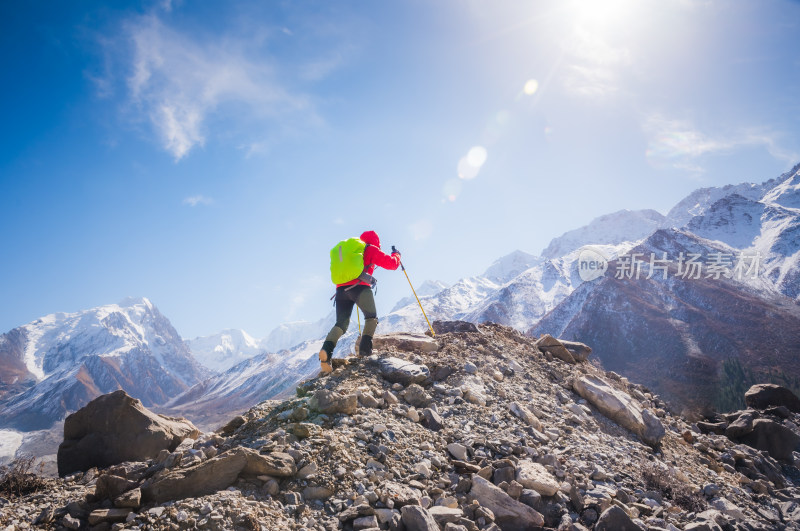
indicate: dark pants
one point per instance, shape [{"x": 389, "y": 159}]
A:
[{"x": 345, "y": 299}]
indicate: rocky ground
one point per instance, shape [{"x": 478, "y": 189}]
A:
[{"x": 489, "y": 431}]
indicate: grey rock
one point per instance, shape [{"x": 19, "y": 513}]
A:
[
  {"x": 108, "y": 515},
  {"x": 741, "y": 426},
  {"x": 330, "y": 402},
  {"x": 615, "y": 519},
  {"x": 431, "y": 420},
  {"x": 510, "y": 514},
  {"x": 620, "y": 407},
  {"x": 459, "y": 451},
  {"x": 404, "y": 372},
  {"x": 525, "y": 415},
  {"x": 446, "y": 327},
  {"x": 534, "y": 476},
  {"x": 415, "y": 395},
  {"x": 416, "y": 518}
]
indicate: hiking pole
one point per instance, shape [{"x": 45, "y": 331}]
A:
[{"x": 433, "y": 334}]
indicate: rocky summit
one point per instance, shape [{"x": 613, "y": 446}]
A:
[{"x": 476, "y": 429}]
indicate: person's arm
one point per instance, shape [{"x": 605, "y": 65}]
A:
[{"x": 381, "y": 259}]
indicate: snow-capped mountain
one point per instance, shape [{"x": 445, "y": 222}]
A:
[
  {"x": 221, "y": 351},
  {"x": 610, "y": 229},
  {"x": 289, "y": 335},
  {"x": 677, "y": 333},
  {"x": 60, "y": 362},
  {"x": 428, "y": 288},
  {"x": 255, "y": 379}
]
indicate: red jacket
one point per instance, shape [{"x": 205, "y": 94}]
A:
[{"x": 373, "y": 256}]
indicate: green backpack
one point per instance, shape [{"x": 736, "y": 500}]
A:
[{"x": 347, "y": 260}]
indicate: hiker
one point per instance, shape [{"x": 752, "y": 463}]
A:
[{"x": 358, "y": 292}]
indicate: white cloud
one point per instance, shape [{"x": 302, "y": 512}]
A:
[
  {"x": 680, "y": 144},
  {"x": 198, "y": 200},
  {"x": 180, "y": 80}
]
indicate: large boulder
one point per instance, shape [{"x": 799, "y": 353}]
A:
[
  {"x": 776, "y": 439},
  {"x": 114, "y": 428},
  {"x": 402, "y": 371},
  {"x": 762, "y": 396},
  {"x": 551, "y": 345},
  {"x": 509, "y": 514},
  {"x": 579, "y": 351},
  {"x": 405, "y": 341},
  {"x": 621, "y": 408}
]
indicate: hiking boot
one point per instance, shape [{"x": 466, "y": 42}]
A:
[
  {"x": 325, "y": 362},
  {"x": 365, "y": 346}
]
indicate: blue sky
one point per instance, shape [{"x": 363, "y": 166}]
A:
[{"x": 207, "y": 155}]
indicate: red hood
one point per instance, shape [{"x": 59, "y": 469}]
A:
[{"x": 371, "y": 237}]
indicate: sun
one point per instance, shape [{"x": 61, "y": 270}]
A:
[{"x": 603, "y": 13}]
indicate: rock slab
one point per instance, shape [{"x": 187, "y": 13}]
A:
[
  {"x": 621, "y": 408},
  {"x": 405, "y": 341},
  {"x": 401, "y": 371}
]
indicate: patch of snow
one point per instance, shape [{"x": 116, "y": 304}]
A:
[{"x": 10, "y": 441}]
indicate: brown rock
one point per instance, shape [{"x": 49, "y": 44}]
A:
[
  {"x": 407, "y": 342},
  {"x": 114, "y": 428},
  {"x": 276, "y": 464},
  {"x": 131, "y": 499},
  {"x": 205, "y": 478},
  {"x": 762, "y": 396},
  {"x": 110, "y": 486},
  {"x": 330, "y": 402},
  {"x": 548, "y": 343}
]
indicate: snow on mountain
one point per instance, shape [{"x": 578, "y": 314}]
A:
[
  {"x": 221, "y": 351},
  {"x": 71, "y": 358},
  {"x": 451, "y": 303},
  {"x": 787, "y": 192},
  {"x": 610, "y": 229},
  {"x": 700, "y": 323},
  {"x": 428, "y": 288},
  {"x": 699, "y": 201},
  {"x": 258, "y": 378},
  {"x": 289, "y": 335},
  {"x": 766, "y": 227},
  {"x": 510, "y": 266},
  {"x": 527, "y": 297}
]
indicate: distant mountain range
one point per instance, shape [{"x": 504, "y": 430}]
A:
[
  {"x": 56, "y": 364},
  {"x": 689, "y": 339}
]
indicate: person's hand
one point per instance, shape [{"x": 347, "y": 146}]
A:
[{"x": 395, "y": 251}]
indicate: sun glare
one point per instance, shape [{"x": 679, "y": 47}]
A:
[{"x": 602, "y": 12}]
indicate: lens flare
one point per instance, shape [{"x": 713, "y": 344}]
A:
[
  {"x": 531, "y": 86},
  {"x": 477, "y": 156},
  {"x": 451, "y": 189}
]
